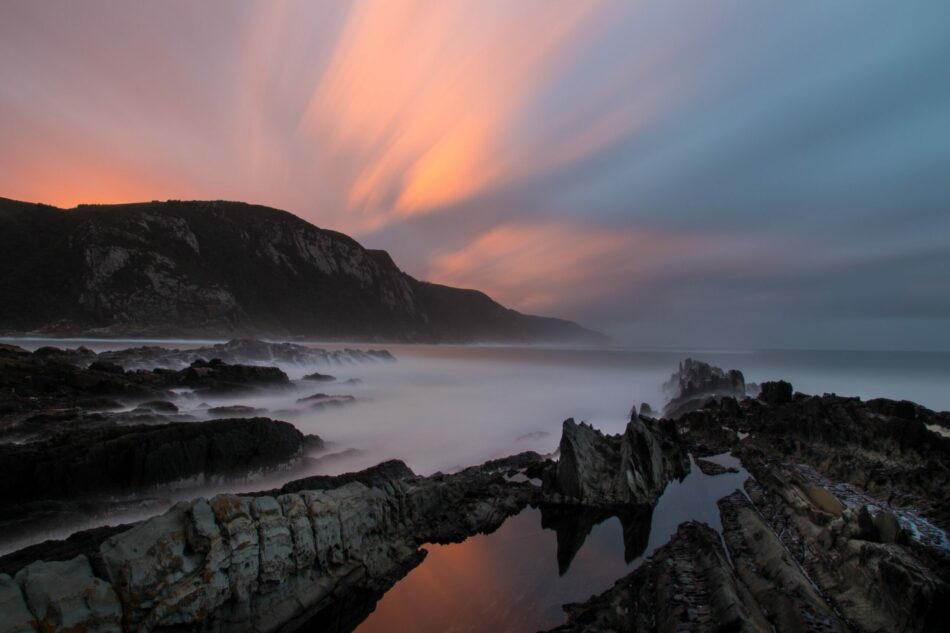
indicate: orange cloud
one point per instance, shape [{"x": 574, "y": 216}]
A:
[
  {"x": 422, "y": 96},
  {"x": 534, "y": 266}
]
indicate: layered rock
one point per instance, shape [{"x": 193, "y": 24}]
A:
[
  {"x": 42, "y": 395},
  {"x": 881, "y": 446},
  {"x": 687, "y": 585},
  {"x": 237, "y": 563},
  {"x": 129, "y": 458},
  {"x": 632, "y": 468}
]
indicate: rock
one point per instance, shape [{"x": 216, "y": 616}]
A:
[
  {"x": 646, "y": 410},
  {"x": 107, "y": 367},
  {"x": 712, "y": 468},
  {"x": 161, "y": 406},
  {"x": 66, "y": 596},
  {"x": 776, "y": 392},
  {"x": 322, "y": 400},
  {"x": 318, "y": 377},
  {"x": 119, "y": 459},
  {"x": 697, "y": 382},
  {"x": 243, "y": 351},
  {"x": 234, "y": 411},
  {"x": 15, "y": 617},
  {"x": 242, "y": 563},
  {"x": 629, "y": 469},
  {"x": 687, "y": 585},
  {"x": 880, "y": 526},
  {"x": 44, "y": 385}
]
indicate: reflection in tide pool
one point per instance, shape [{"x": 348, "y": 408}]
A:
[{"x": 510, "y": 581}]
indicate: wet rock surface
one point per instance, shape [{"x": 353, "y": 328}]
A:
[
  {"x": 840, "y": 528},
  {"x": 247, "y": 563}
]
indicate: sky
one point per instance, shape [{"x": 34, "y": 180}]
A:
[{"x": 723, "y": 174}]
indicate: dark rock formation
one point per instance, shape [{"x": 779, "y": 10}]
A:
[
  {"x": 227, "y": 269},
  {"x": 41, "y": 395},
  {"x": 695, "y": 382},
  {"x": 122, "y": 459},
  {"x": 258, "y": 563},
  {"x": 318, "y": 377},
  {"x": 712, "y": 468},
  {"x": 234, "y": 411},
  {"x": 628, "y": 469},
  {"x": 687, "y": 585},
  {"x": 322, "y": 400},
  {"x": 777, "y": 392}
]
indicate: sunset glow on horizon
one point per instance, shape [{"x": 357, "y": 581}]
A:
[{"x": 634, "y": 165}]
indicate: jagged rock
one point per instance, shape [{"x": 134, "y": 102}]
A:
[
  {"x": 712, "y": 468},
  {"x": 628, "y": 469},
  {"x": 776, "y": 392},
  {"x": 696, "y": 382},
  {"x": 686, "y": 586}
]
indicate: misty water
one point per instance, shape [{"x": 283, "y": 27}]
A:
[{"x": 441, "y": 408}]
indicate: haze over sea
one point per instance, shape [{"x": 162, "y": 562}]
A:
[{"x": 442, "y": 408}]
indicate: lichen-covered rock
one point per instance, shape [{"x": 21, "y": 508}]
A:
[
  {"x": 66, "y": 596},
  {"x": 276, "y": 543},
  {"x": 301, "y": 530},
  {"x": 262, "y": 562},
  {"x": 15, "y": 617}
]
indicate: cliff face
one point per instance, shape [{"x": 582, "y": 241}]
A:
[{"x": 225, "y": 269}]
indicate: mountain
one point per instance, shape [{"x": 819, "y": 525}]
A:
[{"x": 224, "y": 269}]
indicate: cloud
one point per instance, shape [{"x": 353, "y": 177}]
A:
[{"x": 535, "y": 267}]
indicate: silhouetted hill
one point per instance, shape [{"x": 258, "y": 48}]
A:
[{"x": 224, "y": 269}]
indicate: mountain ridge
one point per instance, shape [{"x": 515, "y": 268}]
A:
[{"x": 220, "y": 268}]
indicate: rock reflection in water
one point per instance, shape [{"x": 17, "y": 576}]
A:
[
  {"x": 505, "y": 581},
  {"x": 517, "y": 579},
  {"x": 573, "y": 526}
]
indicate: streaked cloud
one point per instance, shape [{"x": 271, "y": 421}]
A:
[{"x": 656, "y": 169}]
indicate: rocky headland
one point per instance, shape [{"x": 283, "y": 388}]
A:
[{"x": 218, "y": 268}]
